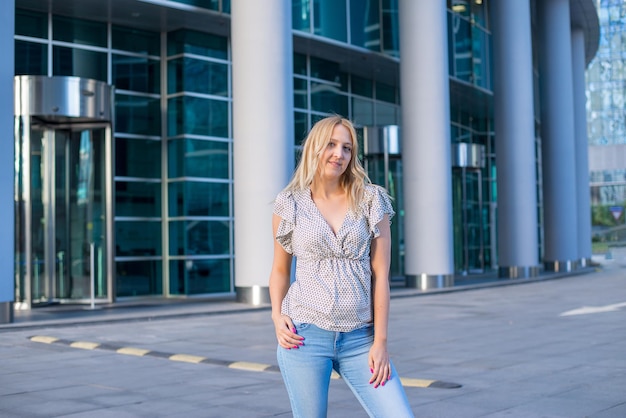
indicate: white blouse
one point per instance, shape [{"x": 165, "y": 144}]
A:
[{"x": 333, "y": 283}]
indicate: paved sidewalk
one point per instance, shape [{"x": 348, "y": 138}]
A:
[{"x": 547, "y": 348}]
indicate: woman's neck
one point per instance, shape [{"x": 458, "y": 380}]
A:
[{"x": 326, "y": 189}]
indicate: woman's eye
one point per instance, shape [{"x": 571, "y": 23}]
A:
[{"x": 347, "y": 149}]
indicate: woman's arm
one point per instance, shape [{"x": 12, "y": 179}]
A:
[
  {"x": 380, "y": 259},
  {"x": 279, "y": 285}
]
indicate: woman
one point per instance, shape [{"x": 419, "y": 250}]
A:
[{"x": 335, "y": 314}]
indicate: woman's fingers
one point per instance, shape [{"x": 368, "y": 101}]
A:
[{"x": 286, "y": 334}]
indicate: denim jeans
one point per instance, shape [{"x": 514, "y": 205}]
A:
[{"x": 306, "y": 372}]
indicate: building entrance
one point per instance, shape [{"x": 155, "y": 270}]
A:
[{"x": 64, "y": 192}]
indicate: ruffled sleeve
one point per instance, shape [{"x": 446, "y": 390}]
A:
[
  {"x": 379, "y": 204},
  {"x": 285, "y": 207}
]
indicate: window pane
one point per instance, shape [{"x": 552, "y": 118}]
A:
[
  {"x": 365, "y": 24},
  {"x": 139, "y": 278},
  {"x": 137, "y": 115},
  {"x": 386, "y": 114},
  {"x": 325, "y": 98},
  {"x": 330, "y": 19},
  {"x": 199, "y": 237},
  {"x": 189, "y": 277},
  {"x": 78, "y": 31},
  {"x": 135, "y": 40},
  {"x": 137, "y": 199},
  {"x": 329, "y": 71},
  {"x": 301, "y": 15},
  {"x": 390, "y": 31},
  {"x": 79, "y": 63},
  {"x": 135, "y": 73},
  {"x": 31, "y": 58},
  {"x": 137, "y": 158},
  {"x": 300, "y": 93},
  {"x": 385, "y": 92},
  {"x": 190, "y": 198},
  {"x": 137, "y": 238},
  {"x": 362, "y": 112},
  {"x": 29, "y": 23},
  {"x": 197, "y": 116},
  {"x": 196, "y": 43},
  {"x": 197, "y": 158},
  {"x": 188, "y": 74},
  {"x": 299, "y": 64},
  {"x": 362, "y": 86},
  {"x": 301, "y": 127}
]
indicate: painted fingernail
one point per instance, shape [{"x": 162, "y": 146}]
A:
[
  {"x": 383, "y": 383},
  {"x": 295, "y": 346},
  {"x": 371, "y": 370},
  {"x": 293, "y": 330}
]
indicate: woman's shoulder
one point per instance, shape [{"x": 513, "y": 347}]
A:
[{"x": 373, "y": 191}]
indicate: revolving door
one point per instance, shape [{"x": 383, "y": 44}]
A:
[{"x": 63, "y": 186}]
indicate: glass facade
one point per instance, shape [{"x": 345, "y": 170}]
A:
[
  {"x": 606, "y": 124},
  {"x": 173, "y": 141}
]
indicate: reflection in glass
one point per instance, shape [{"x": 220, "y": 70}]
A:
[
  {"x": 327, "y": 99},
  {"x": 198, "y": 276},
  {"x": 137, "y": 238},
  {"x": 138, "y": 278},
  {"x": 31, "y": 58},
  {"x": 78, "y": 31},
  {"x": 197, "y": 158},
  {"x": 188, "y": 74},
  {"x": 79, "y": 63},
  {"x": 135, "y": 40},
  {"x": 301, "y": 15},
  {"x": 197, "y": 116},
  {"x": 199, "y": 237},
  {"x": 300, "y": 93},
  {"x": 365, "y": 24},
  {"x": 198, "y": 43},
  {"x": 137, "y": 199},
  {"x": 137, "y": 115},
  {"x": 137, "y": 158},
  {"x": 330, "y": 19},
  {"x": 190, "y": 198},
  {"x": 135, "y": 73},
  {"x": 28, "y": 23}
]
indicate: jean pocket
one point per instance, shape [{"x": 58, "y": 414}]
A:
[{"x": 301, "y": 326}]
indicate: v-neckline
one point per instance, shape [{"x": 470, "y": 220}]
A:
[{"x": 319, "y": 212}]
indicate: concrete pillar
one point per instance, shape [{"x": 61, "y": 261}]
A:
[
  {"x": 7, "y": 161},
  {"x": 557, "y": 129},
  {"x": 518, "y": 254},
  {"x": 427, "y": 172},
  {"x": 582, "y": 159},
  {"x": 262, "y": 134}
]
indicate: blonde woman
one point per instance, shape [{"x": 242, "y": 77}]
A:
[{"x": 334, "y": 315}]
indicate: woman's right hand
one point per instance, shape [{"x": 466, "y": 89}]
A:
[{"x": 286, "y": 332}]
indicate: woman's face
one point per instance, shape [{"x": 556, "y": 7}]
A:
[{"x": 337, "y": 154}]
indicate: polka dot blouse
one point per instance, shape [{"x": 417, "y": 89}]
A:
[{"x": 332, "y": 287}]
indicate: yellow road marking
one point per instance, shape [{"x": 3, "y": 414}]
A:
[
  {"x": 85, "y": 345},
  {"x": 187, "y": 358},
  {"x": 44, "y": 339},
  {"x": 132, "y": 351},
  {"x": 416, "y": 383},
  {"x": 244, "y": 365},
  {"x": 335, "y": 375}
]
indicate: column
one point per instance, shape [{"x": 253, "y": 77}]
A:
[
  {"x": 262, "y": 71},
  {"x": 427, "y": 172},
  {"x": 557, "y": 129},
  {"x": 7, "y": 163},
  {"x": 582, "y": 145},
  {"x": 518, "y": 253}
]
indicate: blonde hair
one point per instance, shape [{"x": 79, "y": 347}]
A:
[{"x": 353, "y": 180}]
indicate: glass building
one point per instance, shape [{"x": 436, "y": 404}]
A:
[
  {"x": 606, "y": 90},
  {"x": 150, "y": 137}
]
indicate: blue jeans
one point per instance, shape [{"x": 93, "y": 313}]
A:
[{"x": 306, "y": 372}]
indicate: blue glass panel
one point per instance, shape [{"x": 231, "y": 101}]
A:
[
  {"x": 79, "y": 31},
  {"x": 135, "y": 40},
  {"x": 199, "y": 237},
  {"x": 300, "y": 93},
  {"x": 301, "y": 127},
  {"x": 301, "y": 15},
  {"x": 390, "y": 28},
  {"x": 327, "y": 99},
  {"x": 197, "y": 116},
  {"x": 137, "y": 238},
  {"x": 190, "y": 198},
  {"x": 192, "y": 277},
  {"x": 139, "y": 278},
  {"x": 205, "y": 4},
  {"x": 137, "y": 199},
  {"x": 136, "y": 73},
  {"x": 137, "y": 115},
  {"x": 299, "y": 64},
  {"x": 188, "y": 74},
  {"x": 362, "y": 112},
  {"x": 137, "y": 158},
  {"x": 330, "y": 19},
  {"x": 29, "y": 23},
  {"x": 197, "y": 158},
  {"x": 198, "y": 43},
  {"x": 385, "y": 92},
  {"x": 31, "y": 58},
  {"x": 329, "y": 71},
  {"x": 365, "y": 24},
  {"x": 362, "y": 86},
  {"x": 387, "y": 114},
  {"x": 79, "y": 63}
]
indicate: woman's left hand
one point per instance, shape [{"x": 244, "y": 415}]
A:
[{"x": 379, "y": 363}]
